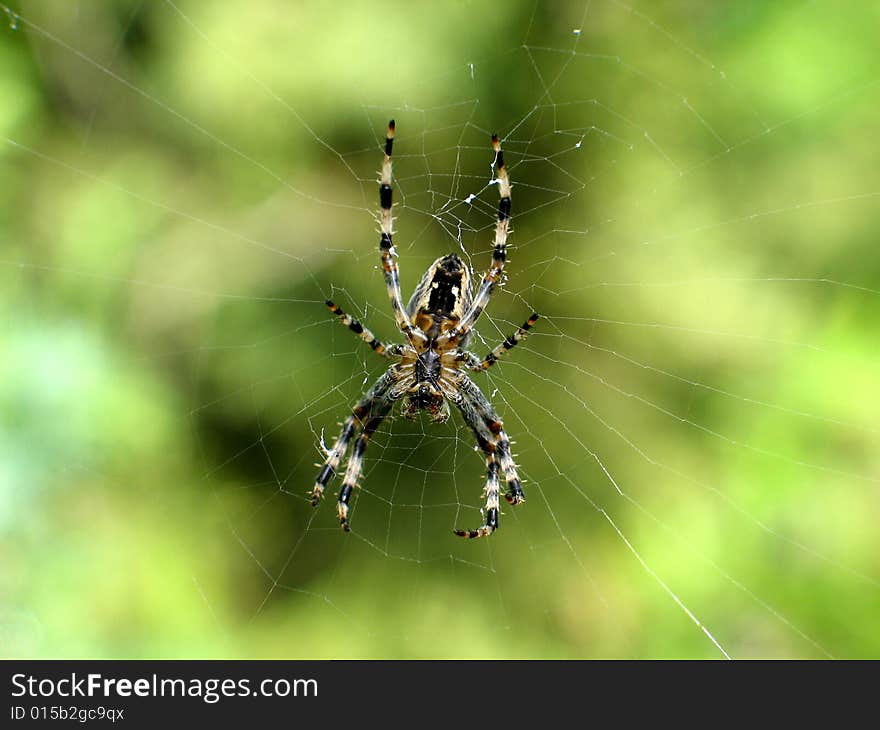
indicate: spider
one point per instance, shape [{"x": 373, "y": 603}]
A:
[{"x": 429, "y": 372}]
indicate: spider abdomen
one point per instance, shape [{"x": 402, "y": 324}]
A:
[{"x": 442, "y": 296}]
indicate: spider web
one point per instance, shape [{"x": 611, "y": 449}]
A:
[{"x": 692, "y": 417}]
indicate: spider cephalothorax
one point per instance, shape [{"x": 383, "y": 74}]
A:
[
  {"x": 425, "y": 393},
  {"x": 429, "y": 372}
]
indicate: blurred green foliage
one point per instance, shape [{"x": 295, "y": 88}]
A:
[{"x": 697, "y": 195}]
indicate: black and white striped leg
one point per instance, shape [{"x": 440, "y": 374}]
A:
[
  {"x": 490, "y": 510},
  {"x": 386, "y": 245},
  {"x": 355, "y": 467},
  {"x": 514, "y": 493},
  {"x": 479, "y": 415},
  {"x": 378, "y": 347},
  {"x": 499, "y": 252},
  {"x": 480, "y": 408},
  {"x": 521, "y": 333},
  {"x": 376, "y": 400}
]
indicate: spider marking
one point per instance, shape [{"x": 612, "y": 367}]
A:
[{"x": 429, "y": 372}]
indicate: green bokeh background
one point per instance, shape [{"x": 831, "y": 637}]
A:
[{"x": 697, "y": 192}]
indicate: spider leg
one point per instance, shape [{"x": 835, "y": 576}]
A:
[
  {"x": 514, "y": 494},
  {"x": 378, "y": 347},
  {"x": 377, "y": 399},
  {"x": 499, "y": 253},
  {"x": 472, "y": 362},
  {"x": 356, "y": 462},
  {"x": 386, "y": 246},
  {"x": 480, "y": 416},
  {"x": 491, "y": 508}
]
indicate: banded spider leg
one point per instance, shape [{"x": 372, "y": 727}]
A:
[
  {"x": 366, "y": 417},
  {"x": 480, "y": 416}
]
